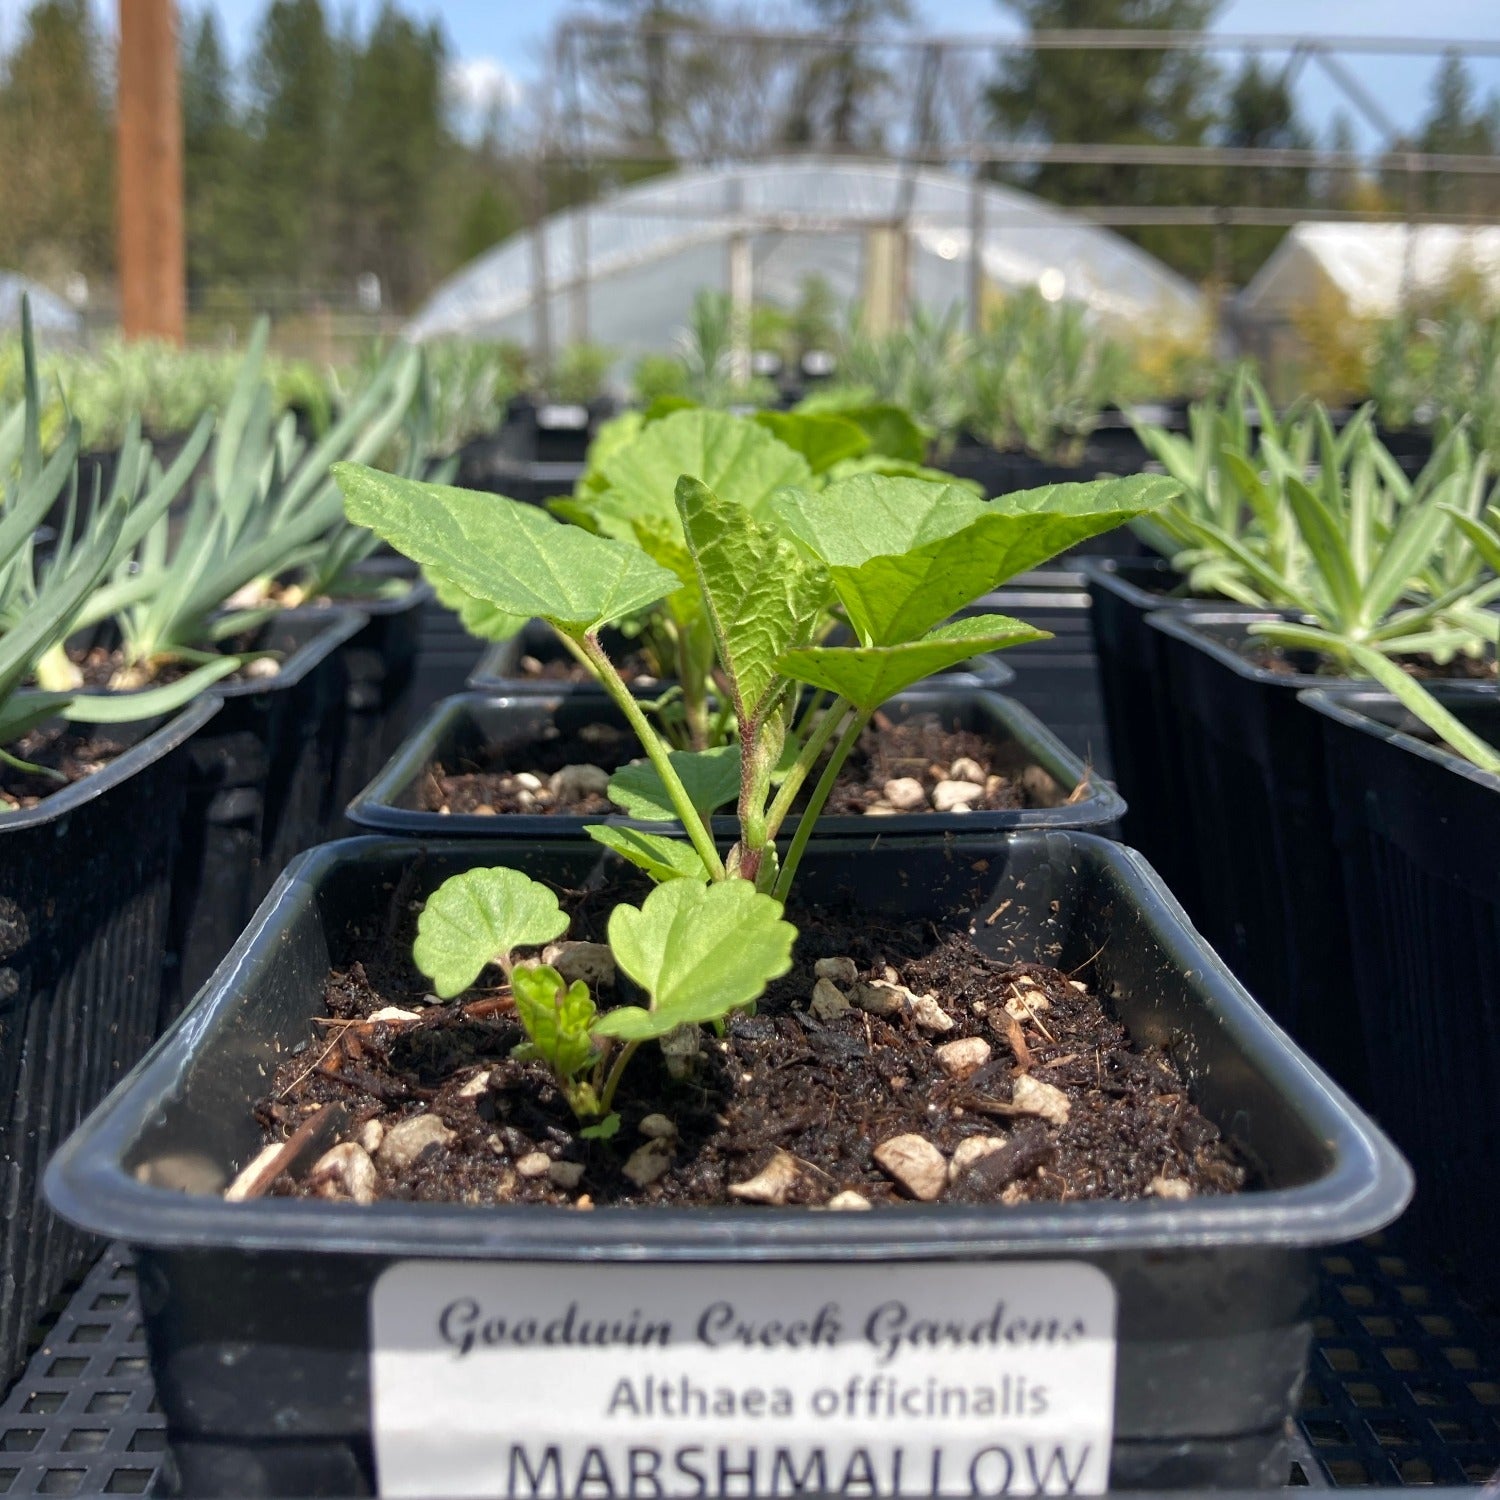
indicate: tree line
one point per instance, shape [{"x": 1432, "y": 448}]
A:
[{"x": 331, "y": 151}]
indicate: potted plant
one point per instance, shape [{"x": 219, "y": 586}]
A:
[
  {"x": 1364, "y": 575},
  {"x": 91, "y": 799},
  {"x": 360, "y": 939}
]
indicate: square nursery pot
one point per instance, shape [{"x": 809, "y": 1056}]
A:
[
  {"x": 499, "y": 669},
  {"x": 464, "y": 726},
  {"x": 260, "y": 788},
  {"x": 1418, "y": 837},
  {"x": 259, "y": 1315},
  {"x": 380, "y": 671},
  {"x": 1267, "y": 888},
  {"x": 85, "y": 889},
  {"x": 1145, "y": 751}
]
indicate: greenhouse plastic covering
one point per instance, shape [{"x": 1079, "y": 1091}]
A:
[
  {"x": 1368, "y": 266},
  {"x": 49, "y": 312},
  {"x": 651, "y": 247}
]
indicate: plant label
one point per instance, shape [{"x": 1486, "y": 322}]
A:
[{"x": 553, "y": 1381}]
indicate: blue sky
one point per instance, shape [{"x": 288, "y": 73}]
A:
[{"x": 504, "y": 37}]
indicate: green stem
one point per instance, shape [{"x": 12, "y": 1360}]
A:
[
  {"x": 807, "y": 758},
  {"x": 819, "y": 797},
  {"x": 589, "y": 650},
  {"x": 616, "y": 1072},
  {"x": 816, "y": 701}
]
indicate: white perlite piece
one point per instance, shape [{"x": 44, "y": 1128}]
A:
[
  {"x": 905, "y": 794},
  {"x": 346, "y": 1171},
  {"x": 967, "y": 769},
  {"x": 371, "y": 1134},
  {"x": 534, "y": 1164},
  {"x": 593, "y": 963},
  {"x": 914, "y": 1164},
  {"x": 528, "y": 782},
  {"x": 658, "y": 1128},
  {"x": 772, "y": 1184},
  {"x": 950, "y": 796},
  {"x": 235, "y": 1192},
  {"x": 1169, "y": 1187},
  {"x": 964, "y": 1057},
  {"x": 879, "y": 998},
  {"x": 1033, "y": 1097},
  {"x": 828, "y": 1000},
  {"x": 405, "y": 1142},
  {"x": 842, "y": 971},
  {"x": 1024, "y": 1006},
  {"x": 928, "y": 1014},
  {"x": 969, "y": 1150},
  {"x": 579, "y": 781},
  {"x": 392, "y": 1014},
  {"x": 565, "y": 1174},
  {"x": 476, "y": 1085},
  {"x": 848, "y": 1201},
  {"x": 646, "y": 1163}
]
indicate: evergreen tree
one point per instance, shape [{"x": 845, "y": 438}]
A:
[
  {"x": 57, "y": 145},
  {"x": 1095, "y": 97},
  {"x": 1458, "y": 124},
  {"x": 837, "y": 97},
  {"x": 1260, "y": 114},
  {"x": 213, "y": 160}
]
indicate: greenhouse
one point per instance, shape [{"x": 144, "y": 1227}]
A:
[{"x": 639, "y": 256}]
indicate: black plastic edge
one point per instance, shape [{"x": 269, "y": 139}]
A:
[
  {"x": 1366, "y": 1188},
  {"x": 1186, "y": 625},
  {"x": 342, "y": 623},
  {"x": 375, "y": 808}
]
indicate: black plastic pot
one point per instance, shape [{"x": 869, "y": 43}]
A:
[
  {"x": 380, "y": 669},
  {"x": 463, "y": 726},
  {"x": 258, "y": 1313},
  {"x": 260, "y": 788},
  {"x": 1267, "y": 890},
  {"x": 85, "y": 887},
  {"x": 1418, "y": 835},
  {"x": 1145, "y": 749},
  {"x": 499, "y": 670}
]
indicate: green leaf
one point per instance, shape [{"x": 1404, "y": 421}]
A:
[
  {"x": 1320, "y": 530},
  {"x": 481, "y": 619},
  {"x": 710, "y": 777},
  {"x": 513, "y": 556},
  {"x": 901, "y": 468},
  {"x": 609, "y": 1126},
  {"x": 903, "y": 555},
  {"x": 761, "y": 597},
  {"x": 149, "y": 703},
  {"x": 699, "y": 952},
  {"x": 738, "y": 460},
  {"x": 660, "y": 857},
  {"x": 1484, "y": 539},
  {"x": 869, "y": 675},
  {"x": 822, "y": 440},
  {"x": 557, "y": 1018},
  {"x": 891, "y": 430},
  {"x": 478, "y": 918}
]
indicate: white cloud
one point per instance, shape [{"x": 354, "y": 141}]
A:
[{"x": 480, "y": 84}]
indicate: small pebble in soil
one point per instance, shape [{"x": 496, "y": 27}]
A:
[
  {"x": 393, "y": 1014},
  {"x": 405, "y": 1142},
  {"x": 476, "y": 1086},
  {"x": 534, "y": 1164},
  {"x": 345, "y": 1171},
  {"x": 962, "y": 1058},
  {"x": 965, "y": 768},
  {"x": 646, "y": 1163},
  {"x": 371, "y": 1134},
  {"x": 842, "y": 971},
  {"x": 914, "y": 1164},
  {"x": 971, "y": 1149},
  {"x": 565, "y": 1174},
  {"x": 848, "y": 1201},
  {"x": 1033, "y": 1097},
  {"x": 905, "y": 794},
  {"x": 1169, "y": 1187},
  {"x": 573, "y": 783},
  {"x": 951, "y": 796},
  {"x": 928, "y": 1014},
  {"x": 657, "y": 1128},
  {"x": 773, "y": 1184},
  {"x": 828, "y": 1000},
  {"x": 878, "y": 998}
]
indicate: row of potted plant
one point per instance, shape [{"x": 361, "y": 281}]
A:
[
  {"x": 185, "y": 702},
  {"x": 797, "y": 1161},
  {"x": 1316, "y": 639}
]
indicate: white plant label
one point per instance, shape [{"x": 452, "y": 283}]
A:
[{"x": 658, "y": 1382}]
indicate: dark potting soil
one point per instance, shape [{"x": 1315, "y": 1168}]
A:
[
  {"x": 73, "y": 756},
  {"x": 633, "y": 668},
  {"x": 814, "y": 1100},
  {"x": 99, "y": 666},
  {"x": 1310, "y": 664},
  {"x": 920, "y": 748}
]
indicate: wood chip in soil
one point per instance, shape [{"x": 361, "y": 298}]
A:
[{"x": 810, "y": 1098}]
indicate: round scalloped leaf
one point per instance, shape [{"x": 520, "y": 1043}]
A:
[{"x": 479, "y": 917}]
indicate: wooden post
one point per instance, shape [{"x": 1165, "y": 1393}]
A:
[{"x": 153, "y": 292}]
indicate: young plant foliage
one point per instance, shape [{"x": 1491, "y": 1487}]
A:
[{"x": 479, "y": 918}]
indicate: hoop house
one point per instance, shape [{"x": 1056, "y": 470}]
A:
[{"x": 623, "y": 272}]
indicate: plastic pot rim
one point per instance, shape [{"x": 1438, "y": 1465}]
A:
[
  {"x": 1345, "y": 705},
  {"x": 1366, "y": 1186},
  {"x": 340, "y": 624},
  {"x": 375, "y": 809},
  {"x": 418, "y": 592},
  {"x": 1186, "y": 625},
  {"x": 173, "y": 730}
]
